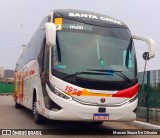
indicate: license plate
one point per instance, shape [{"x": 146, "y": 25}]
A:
[{"x": 101, "y": 117}]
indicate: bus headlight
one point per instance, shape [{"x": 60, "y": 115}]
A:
[
  {"x": 58, "y": 92},
  {"x": 133, "y": 98}
]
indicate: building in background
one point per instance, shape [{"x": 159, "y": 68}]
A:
[
  {"x": 6, "y": 76},
  {"x": 154, "y": 78},
  {"x": 6, "y": 81},
  {"x": 2, "y": 72}
]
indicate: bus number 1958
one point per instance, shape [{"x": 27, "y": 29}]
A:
[{"x": 73, "y": 91}]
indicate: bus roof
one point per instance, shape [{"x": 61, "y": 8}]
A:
[{"x": 88, "y": 17}]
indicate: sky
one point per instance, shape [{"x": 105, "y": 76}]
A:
[{"x": 20, "y": 18}]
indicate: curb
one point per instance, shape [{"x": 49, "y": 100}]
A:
[
  {"x": 5, "y": 94},
  {"x": 144, "y": 125}
]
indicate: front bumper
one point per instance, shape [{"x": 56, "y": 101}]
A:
[{"x": 74, "y": 111}]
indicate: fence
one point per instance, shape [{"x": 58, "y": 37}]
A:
[
  {"x": 149, "y": 97},
  {"x": 6, "y": 88}
]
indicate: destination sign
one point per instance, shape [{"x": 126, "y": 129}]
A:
[{"x": 107, "y": 19}]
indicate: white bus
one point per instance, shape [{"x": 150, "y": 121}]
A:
[{"x": 79, "y": 66}]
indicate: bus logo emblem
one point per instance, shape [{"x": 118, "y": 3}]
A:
[{"x": 102, "y": 100}]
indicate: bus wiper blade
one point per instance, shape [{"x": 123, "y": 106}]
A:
[
  {"x": 103, "y": 70},
  {"x": 123, "y": 76},
  {"x": 88, "y": 73},
  {"x": 119, "y": 73}
]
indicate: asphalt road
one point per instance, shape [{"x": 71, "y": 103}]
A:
[{"x": 11, "y": 118}]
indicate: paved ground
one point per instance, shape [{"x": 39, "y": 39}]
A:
[{"x": 11, "y": 118}]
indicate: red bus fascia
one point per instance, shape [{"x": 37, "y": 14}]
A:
[{"x": 127, "y": 93}]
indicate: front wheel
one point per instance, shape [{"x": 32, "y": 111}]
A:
[{"x": 38, "y": 119}]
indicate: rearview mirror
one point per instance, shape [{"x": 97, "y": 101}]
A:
[
  {"x": 50, "y": 34},
  {"x": 151, "y": 45}
]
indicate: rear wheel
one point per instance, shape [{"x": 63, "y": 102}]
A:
[
  {"x": 38, "y": 119},
  {"x": 17, "y": 106}
]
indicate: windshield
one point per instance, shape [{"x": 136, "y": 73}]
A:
[{"x": 101, "y": 51}]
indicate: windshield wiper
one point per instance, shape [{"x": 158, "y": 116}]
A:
[
  {"x": 119, "y": 73},
  {"x": 105, "y": 72},
  {"x": 87, "y": 73}
]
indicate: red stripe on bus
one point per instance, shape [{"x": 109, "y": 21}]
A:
[{"x": 127, "y": 93}]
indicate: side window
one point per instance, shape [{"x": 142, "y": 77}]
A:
[{"x": 40, "y": 48}]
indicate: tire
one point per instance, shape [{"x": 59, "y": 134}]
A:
[
  {"x": 17, "y": 106},
  {"x": 38, "y": 119}
]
